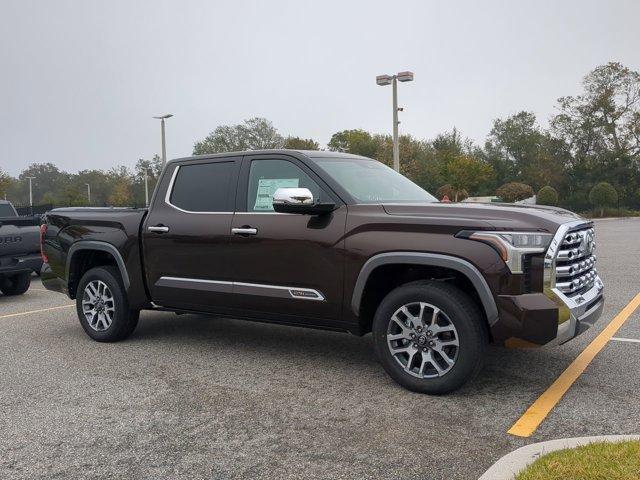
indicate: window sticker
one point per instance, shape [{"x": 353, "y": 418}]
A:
[{"x": 267, "y": 187}]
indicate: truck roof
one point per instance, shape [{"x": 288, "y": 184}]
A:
[{"x": 306, "y": 153}]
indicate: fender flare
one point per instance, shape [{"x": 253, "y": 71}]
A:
[
  {"x": 103, "y": 247},
  {"x": 427, "y": 259}
]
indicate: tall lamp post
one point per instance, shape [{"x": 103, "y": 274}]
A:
[
  {"x": 146, "y": 187},
  {"x": 30, "y": 194},
  {"x": 88, "y": 193},
  {"x": 393, "y": 80},
  {"x": 162, "y": 118}
]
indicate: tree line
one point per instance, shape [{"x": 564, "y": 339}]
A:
[{"x": 589, "y": 155}]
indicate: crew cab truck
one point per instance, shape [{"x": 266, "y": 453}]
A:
[
  {"x": 19, "y": 250},
  {"x": 335, "y": 241}
]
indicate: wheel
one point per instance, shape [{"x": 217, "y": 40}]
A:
[
  {"x": 102, "y": 306},
  {"x": 16, "y": 284},
  {"x": 430, "y": 337}
]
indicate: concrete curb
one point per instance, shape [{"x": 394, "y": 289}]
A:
[{"x": 511, "y": 464}]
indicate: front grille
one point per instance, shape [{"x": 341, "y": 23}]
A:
[{"x": 575, "y": 263}]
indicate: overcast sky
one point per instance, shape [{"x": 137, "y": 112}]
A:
[{"x": 80, "y": 80}]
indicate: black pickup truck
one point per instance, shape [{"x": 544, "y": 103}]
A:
[
  {"x": 19, "y": 249},
  {"x": 335, "y": 241}
]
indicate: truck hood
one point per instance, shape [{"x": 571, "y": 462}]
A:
[{"x": 499, "y": 216}]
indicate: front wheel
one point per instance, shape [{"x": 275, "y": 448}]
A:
[
  {"x": 102, "y": 306},
  {"x": 430, "y": 337},
  {"x": 15, "y": 284}
]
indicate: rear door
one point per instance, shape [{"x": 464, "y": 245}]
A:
[
  {"x": 186, "y": 235},
  {"x": 289, "y": 265}
]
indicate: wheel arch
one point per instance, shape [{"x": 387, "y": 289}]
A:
[
  {"x": 463, "y": 267},
  {"x": 107, "y": 254}
]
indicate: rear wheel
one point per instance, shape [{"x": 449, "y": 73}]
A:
[
  {"x": 15, "y": 284},
  {"x": 102, "y": 306},
  {"x": 430, "y": 337}
]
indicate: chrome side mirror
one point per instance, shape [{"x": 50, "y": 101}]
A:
[
  {"x": 292, "y": 196},
  {"x": 301, "y": 201}
]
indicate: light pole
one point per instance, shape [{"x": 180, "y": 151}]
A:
[
  {"x": 146, "y": 188},
  {"x": 162, "y": 118},
  {"x": 30, "y": 194},
  {"x": 88, "y": 193},
  {"x": 393, "y": 80}
]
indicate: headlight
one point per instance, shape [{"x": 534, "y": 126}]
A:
[{"x": 512, "y": 246}]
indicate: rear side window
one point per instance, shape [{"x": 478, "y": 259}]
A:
[{"x": 204, "y": 187}]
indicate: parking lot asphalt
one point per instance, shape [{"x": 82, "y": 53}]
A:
[{"x": 199, "y": 397}]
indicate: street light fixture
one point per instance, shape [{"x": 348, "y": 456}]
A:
[
  {"x": 383, "y": 80},
  {"x": 162, "y": 118}
]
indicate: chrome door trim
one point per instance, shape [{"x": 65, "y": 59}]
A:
[
  {"x": 158, "y": 229},
  {"x": 244, "y": 231},
  {"x": 260, "y": 289}
]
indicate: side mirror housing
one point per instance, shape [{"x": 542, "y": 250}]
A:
[{"x": 299, "y": 200}]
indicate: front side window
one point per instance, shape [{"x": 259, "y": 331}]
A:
[
  {"x": 266, "y": 176},
  {"x": 370, "y": 181},
  {"x": 204, "y": 187}
]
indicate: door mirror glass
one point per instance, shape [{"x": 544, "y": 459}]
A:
[{"x": 299, "y": 200}]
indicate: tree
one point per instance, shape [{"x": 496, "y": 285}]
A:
[
  {"x": 5, "y": 183},
  {"x": 449, "y": 192},
  {"x": 358, "y": 142},
  {"x": 547, "y": 196},
  {"x": 297, "y": 143},
  {"x": 603, "y": 195},
  {"x": 121, "y": 194},
  {"x": 602, "y": 128},
  {"x": 253, "y": 134},
  {"x": 48, "y": 179},
  {"x": 465, "y": 172},
  {"x": 518, "y": 149},
  {"x": 514, "y": 192}
]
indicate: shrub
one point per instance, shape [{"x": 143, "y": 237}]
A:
[
  {"x": 450, "y": 192},
  {"x": 603, "y": 195},
  {"x": 547, "y": 196},
  {"x": 514, "y": 191}
]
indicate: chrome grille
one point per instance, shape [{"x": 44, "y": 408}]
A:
[{"x": 575, "y": 263}]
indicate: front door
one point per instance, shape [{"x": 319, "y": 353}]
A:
[
  {"x": 286, "y": 265},
  {"x": 186, "y": 235}
]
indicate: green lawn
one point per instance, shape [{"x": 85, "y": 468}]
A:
[{"x": 597, "y": 461}]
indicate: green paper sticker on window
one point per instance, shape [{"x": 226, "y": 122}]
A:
[{"x": 267, "y": 187}]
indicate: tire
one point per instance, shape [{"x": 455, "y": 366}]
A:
[
  {"x": 102, "y": 296},
  {"x": 16, "y": 284},
  {"x": 422, "y": 367}
]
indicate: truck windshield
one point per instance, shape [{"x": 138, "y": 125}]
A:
[{"x": 370, "y": 181}]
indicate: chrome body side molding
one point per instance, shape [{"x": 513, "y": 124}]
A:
[{"x": 221, "y": 286}]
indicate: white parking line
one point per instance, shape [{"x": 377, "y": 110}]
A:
[
  {"x": 620, "y": 339},
  {"x": 37, "y": 311}
]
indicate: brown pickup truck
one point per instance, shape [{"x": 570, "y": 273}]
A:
[{"x": 334, "y": 241}]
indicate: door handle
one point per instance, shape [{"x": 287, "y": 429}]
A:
[
  {"x": 158, "y": 229},
  {"x": 244, "y": 231}
]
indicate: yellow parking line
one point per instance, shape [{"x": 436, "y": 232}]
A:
[
  {"x": 37, "y": 311},
  {"x": 538, "y": 411}
]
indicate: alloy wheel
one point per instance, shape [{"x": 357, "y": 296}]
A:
[
  {"x": 423, "y": 340},
  {"x": 98, "y": 305}
]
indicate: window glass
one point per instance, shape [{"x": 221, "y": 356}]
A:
[
  {"x": 204, "y": 187},
  {"x": 370, "y": 181},
  {"x": 266, "y": 176},
  {"x": 6, "y": 210}
]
